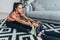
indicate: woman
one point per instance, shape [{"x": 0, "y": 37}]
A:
[{"x": 16, "y": 19}]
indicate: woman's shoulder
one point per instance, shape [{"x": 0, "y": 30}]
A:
[{"x": 11, "y": 13}]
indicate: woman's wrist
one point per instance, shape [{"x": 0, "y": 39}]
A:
[{"x": 29, "y": 23}]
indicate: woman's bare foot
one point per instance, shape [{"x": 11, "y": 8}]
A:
[{"x": 42, "y": 32}]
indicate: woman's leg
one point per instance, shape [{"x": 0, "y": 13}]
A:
[
  {"x": 17, "y": 26},
  {"x": 39, "y": 29},
  {"x": 52, "y": 33},
  {"x": 46, "y": 37},
  {"x": 49, "y": 33}
]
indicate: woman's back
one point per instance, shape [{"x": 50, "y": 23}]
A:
[{"x": 10, "y": 18}]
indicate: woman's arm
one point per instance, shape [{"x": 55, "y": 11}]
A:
[
  {"x": 27, "y": 18},
  {"x": 34, "y": 22},
  {"x": 19, "y": 20}
]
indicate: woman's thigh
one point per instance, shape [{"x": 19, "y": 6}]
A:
[
  {"x": 46, "y": 37},
  {"x": 17, "y": 26},
  {"x": 52, "y": 33}
]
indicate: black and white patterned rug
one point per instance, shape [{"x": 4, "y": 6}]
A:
[
  {"x": 9, "y": 34},
  {"x": 47, "y": 26},
  {"x": 12, "y": 34}
]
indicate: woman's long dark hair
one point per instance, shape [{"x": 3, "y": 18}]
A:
[{"x": 16, "y": 4}]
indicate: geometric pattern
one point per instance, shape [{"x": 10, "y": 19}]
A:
[
  {"x": 14, "y": 35},
  {"x": 51, "y": 27},
  {"x": 47, "y": 26}
]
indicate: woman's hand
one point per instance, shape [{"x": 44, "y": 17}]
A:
[
  {"x": 35, "y": 24},
  {"x": 37, "y": 21},
  {"x": 32, "y": 24}
]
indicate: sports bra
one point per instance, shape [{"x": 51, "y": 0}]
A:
[{"x": 9, "y": 18}]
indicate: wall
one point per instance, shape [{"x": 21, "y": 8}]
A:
[{"x": 7, "y": 5}]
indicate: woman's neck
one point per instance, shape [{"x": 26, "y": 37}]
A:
[{"x": 16, "y": 12}]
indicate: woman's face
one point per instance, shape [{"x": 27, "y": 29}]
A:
[{"x": 19, "y": 8}]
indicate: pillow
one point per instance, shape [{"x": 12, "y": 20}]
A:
[{"x": 37, "y": 6}]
